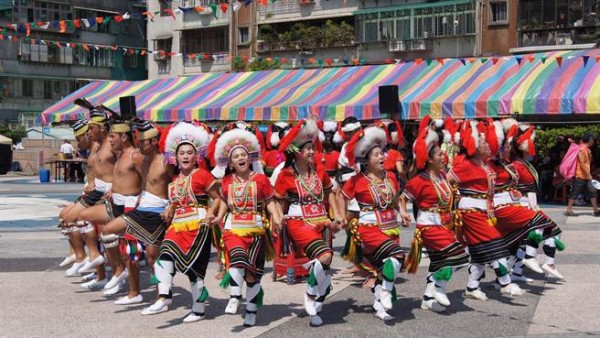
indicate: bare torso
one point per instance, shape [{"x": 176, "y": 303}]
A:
[
  {"x": 126, "y": 177},
  {"x": 157, "y": 175},
  {"x": 101, "y": 162}
]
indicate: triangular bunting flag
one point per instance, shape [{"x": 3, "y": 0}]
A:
[
  {"x": 418, "y": 61},
  {"x": 543, "y": 58},
  {"x": 213, "y": 8},
  {"x": 518, "y": 59},
  {"x": 483, "y": 60},
  {"x": 585, "y": 60},
  {"x": 531, "y": 59},
  {"x": 440, "y": 61},
  {"x": 428, "y": 61},
  {"x": 63, "y": 26},
  {"x": 462, "y": 61},
  {"x": 224, "y": 7},
  {"x": 559, "y": 60},
  {"x": 236, "y": 6}
]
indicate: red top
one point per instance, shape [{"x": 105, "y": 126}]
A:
[
  {"x": 472, "y": 178},
  {"x": 200, "y": 182},
  {"x": 380, "y": 195},
  {"x": 506, "y": 175},
  {"x": 257, "y": 188},
  {"x": 330, "y": 160},
  {"x": 392, "y": 157},
  {"x": 271, "y": 159},
  {"x": 528, "y": 176},
  {"x": 421, "y": 190},
  {"x": 289, "y": 185}
]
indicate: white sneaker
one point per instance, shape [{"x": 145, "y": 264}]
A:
[
  {"x": 88, "y": 277},
  {"x": 520, "y": 278},
  {"x": 386, "y": 299},
  {"x": 432, "y": 305},
  {"x": 380, "y": 312},
  {"x": 161, "y": 305},
  {"x": 316, "y": 321},
  {"x": 125, "y": 300},
  {"x": 552, "y": 271},
  {"x": 115, "y": 280},
  {"x": 114, "y": 290},
  {"x": 94, "y": 285},
  {"x": 533, "y": 265},
  {"x": 250, "y": 319},
  {"x": 192, "y": 317},
  {"x": 91, "y": 265},
  {"x": 440, "y": 296},
  {"x": 512, "y": 289},
  {"x": 232, "y": 306},
  {"x": 309, "y": 306},
  {"x": 68, "y": 260},
  {"x": 73, "y": 270},
  {"x": 475, "y": 294}
]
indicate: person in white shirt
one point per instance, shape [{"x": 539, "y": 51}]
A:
[{"x": 67, "y": 149}]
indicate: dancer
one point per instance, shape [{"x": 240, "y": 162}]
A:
[
  {"x": 475, "y": 215},
  {"x": 435, "y": 229},
  {"x": 375, "y": 234},
  {"x": 305, "y": 191},
  {"x": 186, "y": 245},
  {"x": 521, "y": 149},
  {"x": 126, "y": 186},
  {"x": 144, "y": 224},
  {"x": 245, "y": 195}
]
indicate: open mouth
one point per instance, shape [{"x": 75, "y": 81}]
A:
[{"x": 242, "y": 163}]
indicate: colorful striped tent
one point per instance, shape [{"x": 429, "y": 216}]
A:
[{"x": 547, "y": 83}]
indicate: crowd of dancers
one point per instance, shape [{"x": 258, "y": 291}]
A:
[{"x": 169, "y": 195}]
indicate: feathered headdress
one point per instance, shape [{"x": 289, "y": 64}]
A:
[
  {"x": 363, "y": 142},
  {"x": 494, "y": 136},
  {"x": 233, "y": 139},
  {"x": 525, "y": 142},
  {"x": 184, "y": 133},
  {"x": 469, "y": 137},
  {"x": 80, "y": 127},
  {"x": 396, "y": 133},
  {"x": 273, "y": 134},
  {"x": 303, "y": 132},
  {"x": 426, "y": 140}
]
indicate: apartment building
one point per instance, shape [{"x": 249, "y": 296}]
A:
[
  {"x": 545, "y": 25},
  {"x": 34, "y": 75}
]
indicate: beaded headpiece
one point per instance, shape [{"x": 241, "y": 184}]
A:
[{"x": 183, "y": 133}]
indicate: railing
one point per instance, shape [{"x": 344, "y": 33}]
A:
[
  {"x": 298, "y": 6},
  {"x": 530, "y": 37},
  {"x": 297, "y": 45},
  {"x": 218, "y": 60}
]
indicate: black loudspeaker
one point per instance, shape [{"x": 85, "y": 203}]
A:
[
  {"x": 388, "y": 101},
  {"x": 128, "y": 109}
]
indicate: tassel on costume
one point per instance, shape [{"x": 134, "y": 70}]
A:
[
  {"x": 153, "y": 279},
  {"x": 225, "y": 281},
  {"x": 353, "y": 248},
  {"x": 560, "y": 246},
  {"x": 444, "y": 274},
  {"x": 414, "y": 256},
  {"x": 535, "y": 237},
  {"x": 268, "y": 238},
  {"x": 204, "y": 295}
]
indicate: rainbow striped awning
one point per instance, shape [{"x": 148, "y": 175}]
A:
[{"x": 546, "y": 83}]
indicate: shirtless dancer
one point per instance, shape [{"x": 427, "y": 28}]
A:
[
  {"x": 145, "y": 223},
  {"x": 126, "y": 186},
  {"x": 77, "y": 251},
  {"x": 100, "y": 165}
]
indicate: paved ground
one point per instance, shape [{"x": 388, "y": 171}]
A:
[{"x": 39, "y": 301}]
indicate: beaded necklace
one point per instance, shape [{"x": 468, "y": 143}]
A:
[
  {"x": 314, "y": 184},
  {"x": 239, "y": 193},
  {"x": 442, "y": 190},
  {"x": 182, "y": 186},
  {"x": 384, "y": 197}
]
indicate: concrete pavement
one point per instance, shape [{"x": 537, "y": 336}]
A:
[{"x": 39, "y": 301}]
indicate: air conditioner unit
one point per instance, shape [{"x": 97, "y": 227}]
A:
[
  {"x": 418, "y": 44},
  {"x": 563, "y": 39},
  {"x": 306, "y": 52},
  {"x": 206, "y": 11},
  {"x": 396, "y": 46}
]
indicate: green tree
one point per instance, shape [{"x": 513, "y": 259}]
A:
[
  {"x": 262, "y": 64},
  {"x": 238, "y": 65},
  {"x": 16, "y": 135},
  {"x": 546, "y": 139}
]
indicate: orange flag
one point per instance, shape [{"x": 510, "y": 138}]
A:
[{"x": 63, "y": 26}]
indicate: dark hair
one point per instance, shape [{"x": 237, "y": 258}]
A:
[
  {"x": 349, "y": 120},
  {"x": 587, "y": 137},
  {"x": 289, "y": 159}
]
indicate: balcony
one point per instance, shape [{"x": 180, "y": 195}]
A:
[
  {"x": 556, "y": 36},
  {"x": 263, "y": 47},
  {"x": 290, "y": 10}
]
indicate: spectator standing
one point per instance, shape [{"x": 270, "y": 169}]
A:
[{"x": 583, "y": 176}]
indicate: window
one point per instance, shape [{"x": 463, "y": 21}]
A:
[
  {"x": 48, "y": 90},
  {"x": 498, "y": 13},
  {"x": 163, "y": 44},
  {"x": 213, "y": 40},
  {"x": 26, "y": 88},
  {"x": 244, "y": 37},
  {"x": 164, "y": 5},
  {"x": 164, "y": 66}
]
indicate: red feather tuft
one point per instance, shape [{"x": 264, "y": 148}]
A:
[
  {"x": 351, "y": 146},
  {"x": 512, "y": 132},
  {"x": 400, "y": 133},
  {"x": 425, "y": 122},
  {"x": 211, "y": 148},
  {"x": 291, "y": 136},
  {"x": 450, "y": 126},
  {"x": 492, "y": 138},
  {"x": 420, "y": 150},
  {"x": 467, "y": 140},
  {"x": 341, "y": 132},
  {"x": 162, "y": 142},
  {"x": 526, "y": 137}
]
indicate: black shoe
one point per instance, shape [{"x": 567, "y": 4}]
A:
[{"x": 597, "y": 213}]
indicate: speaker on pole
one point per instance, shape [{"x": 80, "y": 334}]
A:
[
  {"x": 128, "y": 108},
  {"x": 389, "y": 102}
]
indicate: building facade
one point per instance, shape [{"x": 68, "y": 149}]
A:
[
  {"x": 35, "y": 75},
  {"x": 545, "y": 25},
  {"x": 499, "y": 26}
]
